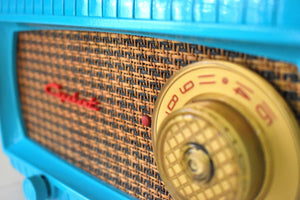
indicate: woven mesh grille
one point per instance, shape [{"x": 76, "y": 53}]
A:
[{"x": 125, "y": 74}]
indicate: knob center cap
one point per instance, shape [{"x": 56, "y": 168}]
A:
[{"x": 197, "y": 162}]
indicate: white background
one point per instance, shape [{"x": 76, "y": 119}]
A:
[{"x": 10, "y": 180}]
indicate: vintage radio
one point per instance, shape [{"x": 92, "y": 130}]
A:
[{"x": 152, "y": 99}]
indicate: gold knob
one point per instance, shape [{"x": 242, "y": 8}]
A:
[
  {"x": 220, "y": 131},
  {"x": 209, "y": 146}
]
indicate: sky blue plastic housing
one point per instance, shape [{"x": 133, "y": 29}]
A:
[{"x": 269, "y": 28}]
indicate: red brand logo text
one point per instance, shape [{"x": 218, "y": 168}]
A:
[{"x": 53, "y": 90}]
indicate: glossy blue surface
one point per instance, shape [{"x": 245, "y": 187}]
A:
[
  {"x": 258, "y": 12},
  {"x": 95, "y": 8},
  {"x": 269, "y": 28},
  {"x": 261, "y": 27}
]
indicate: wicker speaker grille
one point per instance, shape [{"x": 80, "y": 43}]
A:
[{"x": 125, "y": 73}]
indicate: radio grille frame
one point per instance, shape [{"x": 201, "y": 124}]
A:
[{"x": 112, "y": 48}]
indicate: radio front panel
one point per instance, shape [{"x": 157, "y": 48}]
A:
[{"x": 112, "y": 104}]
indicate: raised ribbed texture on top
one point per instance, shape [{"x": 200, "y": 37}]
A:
[{"x": 258, "y": 12}]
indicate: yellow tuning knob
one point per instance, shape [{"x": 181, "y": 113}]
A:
[
  {"x": 222, "y": 132},
  {"x": 209, "y": 146}
]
